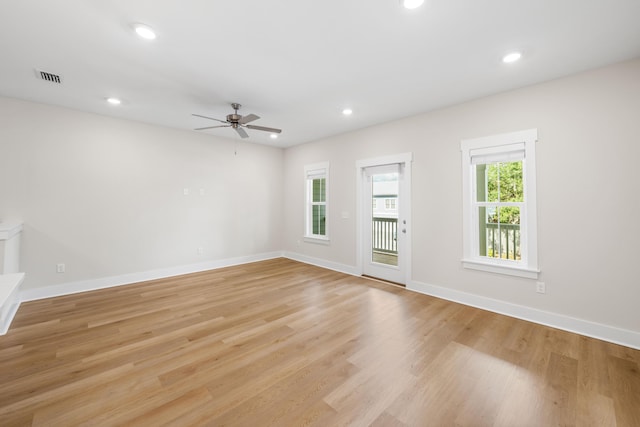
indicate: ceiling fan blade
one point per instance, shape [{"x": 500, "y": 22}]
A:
[
  {"x": 210, "y": 118},
  {"x": 266, "y": 129},
  {"x": 248, "y": 118},
  {"x": 242, "y": 132},
  {"x": 213, "y": 127}
]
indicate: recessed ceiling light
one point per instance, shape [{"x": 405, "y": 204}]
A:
[
  {"x": 144, "y": 31},
  {"x": 411, "y": 4},
  {"x": 274, "y": 136},
  {"x": 347, "y": 111},
  {"x": 114, "y": 101},
  {"x": 511, "y": 57}
]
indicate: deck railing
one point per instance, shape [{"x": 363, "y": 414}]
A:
[
  {"x": 384, "y": 235},
  {"x": 504, "y": 241}
]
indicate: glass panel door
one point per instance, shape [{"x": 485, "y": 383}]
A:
[{"x": 383, "y": 226}]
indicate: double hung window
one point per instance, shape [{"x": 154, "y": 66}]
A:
[
  {"x": 317, "y": 179},
  {"x": 500, "y": 204}
]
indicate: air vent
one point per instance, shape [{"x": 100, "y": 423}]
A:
[{"x": 50, "y": 77}]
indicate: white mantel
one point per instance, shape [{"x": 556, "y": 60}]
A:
[
  {"x": 9, "y": 229},
  {"x": 9, "y": 299},
  {"x": 10, "y": 277},
  {"x": 10, "y": 247}
]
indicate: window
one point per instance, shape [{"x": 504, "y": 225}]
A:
[
  {"x": 317, "y": 179},
  {"x": 499, "y": 205},
  {"x": 390, "y": 204}
]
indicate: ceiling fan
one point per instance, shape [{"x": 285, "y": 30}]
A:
[{"x": 238, "y": 122}]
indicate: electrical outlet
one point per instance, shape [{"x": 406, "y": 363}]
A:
[
  {"x": 541, "y": 288},
  {"x": 200, "y": 251},
  {"x": 185, "y": 191},
  {"x": 60, "y": 268}
]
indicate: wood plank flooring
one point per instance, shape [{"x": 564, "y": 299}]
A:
[{"x": 280, "y": 343}]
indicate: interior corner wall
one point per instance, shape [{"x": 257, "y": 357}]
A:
[
  {"x": 587, "y": 182},
  {"x": 105, "y": 196}
]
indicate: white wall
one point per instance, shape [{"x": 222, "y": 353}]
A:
[
  {"x": 588, "y": 193},
  {"x": 105, "y": 196}
]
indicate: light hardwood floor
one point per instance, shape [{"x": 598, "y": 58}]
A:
[{"x": 283, "y": 343}]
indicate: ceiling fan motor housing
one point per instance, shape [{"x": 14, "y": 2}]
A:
[{"x": 234, "y": 118}]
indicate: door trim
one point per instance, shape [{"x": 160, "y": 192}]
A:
[{"x": 405, "y": 159}]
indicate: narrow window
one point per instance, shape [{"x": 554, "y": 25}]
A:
[
  {"x": 317, "y": 179},
  {"x": 499, "y": 204}
]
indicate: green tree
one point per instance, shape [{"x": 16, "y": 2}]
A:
[{"x": 504, "y": 184}]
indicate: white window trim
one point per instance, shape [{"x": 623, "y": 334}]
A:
[
  {"x": 528, "y": 267},
  {"x": 308, "y": 236}
]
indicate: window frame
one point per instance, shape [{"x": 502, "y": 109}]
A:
[
  {"x": 311, "y": 172},
  {"x": 497, "y": 145}
]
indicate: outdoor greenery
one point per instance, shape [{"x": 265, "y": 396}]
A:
[
  {"x": 318, "y": 214},
  {"x": 504, "y": 184},
  {"x": 500, "y": 225}
]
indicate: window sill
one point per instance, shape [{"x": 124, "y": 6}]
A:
[
  {"x": 317, "y": 240},
  {"x": 509, "y": 270}
]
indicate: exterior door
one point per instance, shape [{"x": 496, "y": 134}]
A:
[{"x": 384, "y": 222}]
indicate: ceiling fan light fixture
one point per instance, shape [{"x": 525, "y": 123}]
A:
[
  {"x": 144, "y": 31},
  {"x": 274, "y": 136},
  {"x": 411, "y": 4},
  {"x": 347, "y": 111},
  {"x": 511, "y": 57}
]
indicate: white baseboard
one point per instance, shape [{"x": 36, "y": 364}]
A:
[
  {"x": 611, "y": 334},
  {"x": 335, "y": 266},
  {"x": 9, "y": 299},
  {"x": 127, "y": 279}
]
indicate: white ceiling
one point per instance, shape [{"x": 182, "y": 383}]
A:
[{"x": 298, "y": 63}]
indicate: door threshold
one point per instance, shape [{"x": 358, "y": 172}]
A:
[{"x": 389, "y": 282}]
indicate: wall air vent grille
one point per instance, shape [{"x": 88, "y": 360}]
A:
[{"x": 50, "y": 77}]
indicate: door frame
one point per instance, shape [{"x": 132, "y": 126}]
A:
[{"x": 402, "y": 158}]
